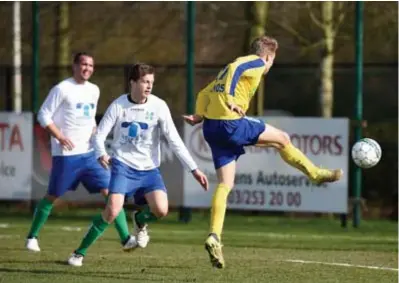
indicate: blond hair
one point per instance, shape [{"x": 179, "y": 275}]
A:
[{"x": 263, "y": 45}]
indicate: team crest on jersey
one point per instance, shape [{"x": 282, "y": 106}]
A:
[
  {"x": 86, "y": 108},
  {"x": 149, "y": 115},
  {"x": 132, "y": 132}
]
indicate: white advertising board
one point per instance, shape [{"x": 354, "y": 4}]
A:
[
  {"x": 15, "y": 156},
  {"x": 265, "y": 182}
]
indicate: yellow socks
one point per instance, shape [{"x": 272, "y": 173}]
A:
[
  {"x": 218, "y": 211},
  {"x": 297, "y": 159}
]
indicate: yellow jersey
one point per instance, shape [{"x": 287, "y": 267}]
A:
[{"x": 236, "y": 83}]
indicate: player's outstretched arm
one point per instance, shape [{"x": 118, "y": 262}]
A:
[
  {"x": 201, "y": 178},
  {"x": 202, "y": 101},
  {"x": 200, "y": 107},
  {"x": 103, "y": 129},
  {"x": 171, "y": 134}
]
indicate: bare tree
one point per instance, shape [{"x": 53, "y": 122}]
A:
[
  {"x": 327, "y": 16},
  {"x": 63, "y": 54},
  {"x": 257, "y": 15},
  {"x": 329, "y": 27}
]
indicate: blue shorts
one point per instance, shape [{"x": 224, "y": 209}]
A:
[
  {"x": 131, "y": 182},
  {"x": 68, "y": 171},
  {"x": 227, "y": 138}
]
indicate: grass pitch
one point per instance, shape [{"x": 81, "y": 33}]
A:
[{"x": 256, "y": 249}]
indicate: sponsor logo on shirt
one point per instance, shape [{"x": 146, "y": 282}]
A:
[
  {"x": 132, "y": 132},
  {"x": 86, "y": 109}
]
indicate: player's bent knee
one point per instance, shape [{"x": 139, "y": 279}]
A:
[
  {"x": 160, "y": 212},
  {"x": 111, "y": 213},
  {"x": 285, "y": 138},
  {"x": 273, "y": 137},
  {"x": 281, "y": 139}
]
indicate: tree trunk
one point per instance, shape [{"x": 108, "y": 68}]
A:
[
  {"x": 327, "y": 61},
  {"x": 257, "y": 17},
  {"x": 63, "y": 56},
  {"x": 17, "y": 77}
]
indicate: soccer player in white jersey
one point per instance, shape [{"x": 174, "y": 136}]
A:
[
  {"x": 68, "y": 114},
  {"x": 138, "y": 119}
]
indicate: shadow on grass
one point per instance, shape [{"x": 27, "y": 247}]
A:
[
  {"x": 82, "y": 273},
  {"x": 64, "y": 263}
]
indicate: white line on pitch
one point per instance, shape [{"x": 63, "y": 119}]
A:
[
  {"x": 360, "y": 238},
  {"x": 341, "y": 264},
  {"x": 9, "y": 236},
  {"x": 69, "y": 228}
]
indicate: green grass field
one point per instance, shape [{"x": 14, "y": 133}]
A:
[{"x": 257, "y": 249}]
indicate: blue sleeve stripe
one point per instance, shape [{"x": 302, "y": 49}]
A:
[
  {"x": 241, "y": 69},
  {"x": 223, "y": 73}
]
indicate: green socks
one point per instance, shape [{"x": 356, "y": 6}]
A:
[
  {"x": 145, "y": 216},
  {"x": 121, "y": 225},
  {"x": 97, "y": 228},
  {"x": 42, "y": 212}
]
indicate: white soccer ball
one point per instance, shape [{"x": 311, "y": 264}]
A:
[{"x": 366, "y": 153}]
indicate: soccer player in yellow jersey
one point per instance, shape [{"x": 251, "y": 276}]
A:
[{"x": 221, "y": 106}]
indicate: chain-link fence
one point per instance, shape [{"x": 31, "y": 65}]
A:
[{"x": 291, "y": 88}]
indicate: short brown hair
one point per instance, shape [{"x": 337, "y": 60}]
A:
[
  {"x": 76, "y": 57},
  {"x": 139, "y": 70},
  {"x": 263, "y": 45}
]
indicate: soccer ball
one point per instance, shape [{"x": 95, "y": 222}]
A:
[{"x": 366, "y": 153}]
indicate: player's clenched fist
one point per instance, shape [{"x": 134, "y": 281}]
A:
[
  {"x": 105, "y": 161},
  {"x": 235, "y": 108},
  {"x": 192, "y": 119}
]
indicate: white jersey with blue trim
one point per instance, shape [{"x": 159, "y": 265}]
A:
[
  {"x": 72, "y": 108},
  {"x": 137, "y": 130}
]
